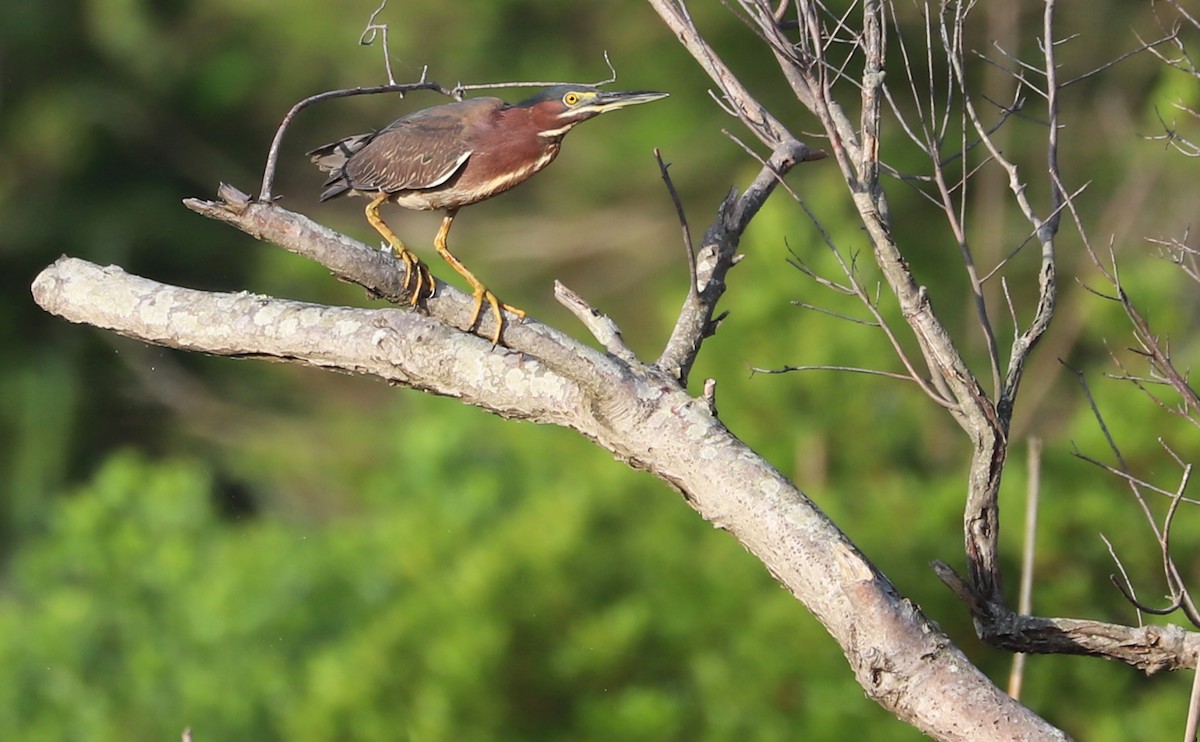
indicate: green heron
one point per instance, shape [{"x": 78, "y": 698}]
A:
[{"x": 457, "y": 154}]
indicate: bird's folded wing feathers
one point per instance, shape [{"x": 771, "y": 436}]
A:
[{"x": 421, "y": 150}]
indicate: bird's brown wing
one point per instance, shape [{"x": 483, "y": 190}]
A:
[{"x": 422, "y": 150}]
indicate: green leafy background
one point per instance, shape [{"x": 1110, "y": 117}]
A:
[{"x": 266, "y": 552}]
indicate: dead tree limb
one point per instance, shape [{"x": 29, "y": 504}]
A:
[{"x": 637, "y": 411}]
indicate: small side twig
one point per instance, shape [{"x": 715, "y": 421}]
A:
[
  {"x": 689, "y": 249},
  {"x": 710, "y": 395},
  {"x": 379, "y": 30},
  {"x": 1124, "y": 585},
  {"x": 846, "y": 369},
  {"x": 600, "y": 325}
]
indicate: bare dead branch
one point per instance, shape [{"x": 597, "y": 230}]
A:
[
  {"x": 1151, "y": 649},
  {"x": 1130, "y": 479},
  {"x": 689, "y": 250},
  {"x": 1177, "y": 601},
  {"x": 600, "y": 325},
  {"x": 1175, "y": 581},
  {"x": 717, "y": 256},
  {"x": 1125, "y": 585},
  {"x": 848, "y": 369},
  {"x": 956, "y": 217},
  {"x": 638, "y": 413},
  {"x": 1143, "y": 47},
  {"x": 1155, "y": 349},
  {"x": 836, "y": 315},
  {"x": 1045, "y": 229},
  {"x": 379, "y": 30}
]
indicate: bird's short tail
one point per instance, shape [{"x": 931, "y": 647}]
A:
[{"x": 332, "y": 159}]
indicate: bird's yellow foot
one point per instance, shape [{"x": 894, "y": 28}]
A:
[
  {"x": 417, "y": 277},
  {"x": 482, "y": 294}
]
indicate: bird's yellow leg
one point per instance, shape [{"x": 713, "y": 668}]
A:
[
  {"x": 414, "y": 268},
  {"x": 481, "y": 292}
]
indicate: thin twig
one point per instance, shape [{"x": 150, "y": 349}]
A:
[
  {"x": 1176, "y": 602},
  {"x": 1134, "y": 483},
  {"x": 1025, "y": 598},
  {"x": 838, "y": 315},
  {"x": 268, "y": 180},
  {"x": 1146, "y": 46},
  {"x": 1174, "y": 580},
  {"x": 1130, "y": 478},
  {"x": 379, "y": 30},
  {"x": 689, "y": 250},
  {"x": 1125, "y": 585},
  {"x": 850, "y": 369}
]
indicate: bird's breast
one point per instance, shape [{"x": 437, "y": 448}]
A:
[
  {"x": 490, "y": 173},
  {"x": 487, "y": 173}
]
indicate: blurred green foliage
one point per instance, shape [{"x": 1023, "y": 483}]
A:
[{"x": 262, "y": 551}]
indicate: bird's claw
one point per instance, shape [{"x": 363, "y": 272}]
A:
[
  {"x": 418, "y": 281},
  {"x": 481, "y": 295}
]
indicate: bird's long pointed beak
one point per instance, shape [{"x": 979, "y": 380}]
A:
[{"x": 610, "y": 101}]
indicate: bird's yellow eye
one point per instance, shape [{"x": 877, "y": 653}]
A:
[{"x": 571, "y": 99}]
